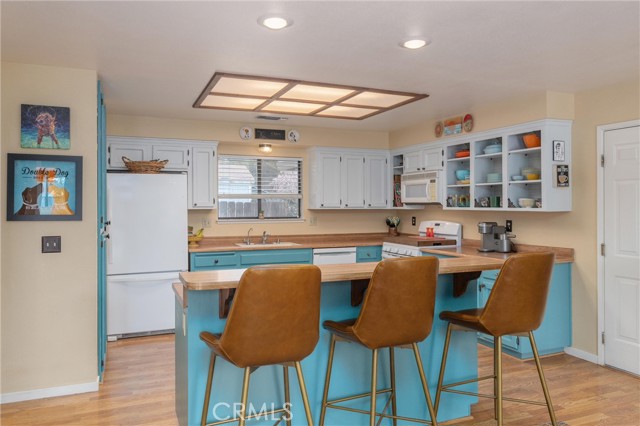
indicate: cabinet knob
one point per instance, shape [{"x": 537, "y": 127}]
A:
[{"x": 216, "y": 261}]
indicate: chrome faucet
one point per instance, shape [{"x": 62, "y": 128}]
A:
[
  {"x": 264, "y": 237},
  {"x": 248, "y": 240}
]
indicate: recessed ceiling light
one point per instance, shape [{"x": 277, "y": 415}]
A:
[
  {"x": 415, "y": 43},
  {"x": 284, "y": 96},
  {"x": 265, "y": 147},
  {"x": 274, "y": 22}
]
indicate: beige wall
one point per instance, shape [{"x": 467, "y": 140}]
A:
[
  {"x": 230, "y": 143},
  {"x": 576, "y": 229},
  {"x": 49, "y": 317}
]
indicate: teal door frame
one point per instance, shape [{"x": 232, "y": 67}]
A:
[{"x": 102, "y": 232}]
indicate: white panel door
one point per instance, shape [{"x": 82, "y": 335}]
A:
[
  {"x": 622, "y": 249},
  {"x": 376, "y": 181},
  {"x": 413, "y": 161},
  {"x": 134, "y": 152},
  {"x": 330, "y": 180},
  {"x": 352, "y": 181},
  {"x": 178, "y": 156},
  {"x": 204, "y": 177},
  {"x": 432, "y": 159}
]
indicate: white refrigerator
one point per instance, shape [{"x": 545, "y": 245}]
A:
[{"x": 146, "y": 250}]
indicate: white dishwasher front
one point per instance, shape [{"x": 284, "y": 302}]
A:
[{"x": 334, "y": 256}]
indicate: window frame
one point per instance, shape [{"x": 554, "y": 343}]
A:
[{"x": 260, "y": 199}]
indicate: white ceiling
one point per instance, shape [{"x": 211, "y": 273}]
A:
[{"x": 155, "y": 58}]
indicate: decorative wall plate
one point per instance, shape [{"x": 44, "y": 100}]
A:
[
  {"x": 467, "y": 123},
  {"x": 439, "y": 128},
  {"x": 246, "y": 133},
  {"x": 293, "y": 136}
]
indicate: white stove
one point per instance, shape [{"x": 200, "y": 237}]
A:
[{"x": 434, "y": 234}]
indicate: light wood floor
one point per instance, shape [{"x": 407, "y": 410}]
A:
[{"x": 139, "y": 390}]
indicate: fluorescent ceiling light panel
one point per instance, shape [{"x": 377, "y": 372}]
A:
[
  {"x": 347, "y": 112},
  {"x": 306, "y": 92},
  {"x": 291, "y": 107},
  {"x": 284, "y": 96},
  {"x": 230, "y": 102},
  {"x": 375, "y": 99},
  {"x": 247, "y": 87}
]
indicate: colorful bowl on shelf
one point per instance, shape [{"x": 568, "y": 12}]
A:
[
  {"x": 530, "y": 173},
  {"x": 462, "y": 154},
  {"x": 492, "y": 149},
  {"x": 463, "y": 174},
  {"x": 526, "y": 203},
  {"x": 533, "y": 176},
  {"x": 531, "y": 140}
]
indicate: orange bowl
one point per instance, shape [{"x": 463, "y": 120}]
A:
[{"x": 531, "y": 140}]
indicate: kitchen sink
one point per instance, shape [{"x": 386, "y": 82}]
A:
[{"x": 274, "y": 244}]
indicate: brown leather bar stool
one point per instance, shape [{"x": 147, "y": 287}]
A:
[
  {"x": 256, "y": 334},
  {"x": 515, "y": 307},
  {"x": 397, "y": 312}
]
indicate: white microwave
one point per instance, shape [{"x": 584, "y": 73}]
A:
[{"x": 420, "y": 188}]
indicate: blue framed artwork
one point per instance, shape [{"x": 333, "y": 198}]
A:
[
  {"x": 44, "y": 187},
  {"x": 44, "y": 126}
]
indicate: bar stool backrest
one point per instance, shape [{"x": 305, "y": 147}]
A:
[
  {"x": 275, "y": 315},
  {"x": 519, "y": 296},
  {"x": 399, "y": 303}
]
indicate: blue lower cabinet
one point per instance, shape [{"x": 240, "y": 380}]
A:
[
  {"x": 270, "y": 257},
  {"x": 246, "y": 259},
  {"x": 554, "y": 334},
  {"x": 368, "y": 254},
  {"x": 211, "y": 261}
]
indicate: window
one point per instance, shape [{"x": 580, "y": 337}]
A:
[{"x": 250, "y": 185}]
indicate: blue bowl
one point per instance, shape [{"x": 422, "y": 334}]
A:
[{"x": 463, "y": 174}]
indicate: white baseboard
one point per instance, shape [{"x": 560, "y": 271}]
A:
[
  {"x": 6, "y": 398},
  {"x": 579, "y": 353}
]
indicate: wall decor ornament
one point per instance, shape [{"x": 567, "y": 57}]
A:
[
  {"x": 45, "y": 126},
  {"x": 246, "y": 133},
  {"x": 44, "y": 187}
]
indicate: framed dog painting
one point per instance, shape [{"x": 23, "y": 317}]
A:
[
  {"x": 44, "y": 187},
  {"x": 45, "y": 127}
]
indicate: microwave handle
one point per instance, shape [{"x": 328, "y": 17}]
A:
[{"x": 429, "y": 190}]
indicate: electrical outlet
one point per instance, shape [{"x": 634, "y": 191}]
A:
[
  {"x": 509, "y": 226},
  {"x": 413, "y": 220},
  {"x": 206, "y": 222},
  {"x": 313, "y": 221},
  {"x": 52, "y": 244}
]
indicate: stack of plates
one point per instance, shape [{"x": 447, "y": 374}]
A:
[{"x": 494, "y": 177}]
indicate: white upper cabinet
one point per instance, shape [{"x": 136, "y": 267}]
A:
[
  {"x": 349, "y": 179},
  {"x": 203, "y": 178},
  {"x": 423, "y": 160},
  {"x": 376, "y": 181},
  {"x": 196, "y": 158}
]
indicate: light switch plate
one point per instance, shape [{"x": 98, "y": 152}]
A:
[{"x": 52, "y": 244}]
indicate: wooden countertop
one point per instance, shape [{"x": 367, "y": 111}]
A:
[
  {"x": 226, "y": 279},
  {"x": 469, "y": 248},
  {"x": 218, "y": 244}
]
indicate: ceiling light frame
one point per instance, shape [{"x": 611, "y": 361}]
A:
[{"x": 347, "y": 102}]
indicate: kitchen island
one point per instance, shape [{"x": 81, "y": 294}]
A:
[{"x": 197, "y": 309}]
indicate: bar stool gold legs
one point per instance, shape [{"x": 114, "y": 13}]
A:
[
  {"x": 373, "y": 414},
  {"x": 245, "y": 396},
  {"x": 287, "y": 395},
  {"x": 207, "y": 393},
  {"x": 303, "y": 391},
  {"x": 497, "y": 378},
  {"x": 425, "y": 386},
  {"x": 543, "y": 381}
]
